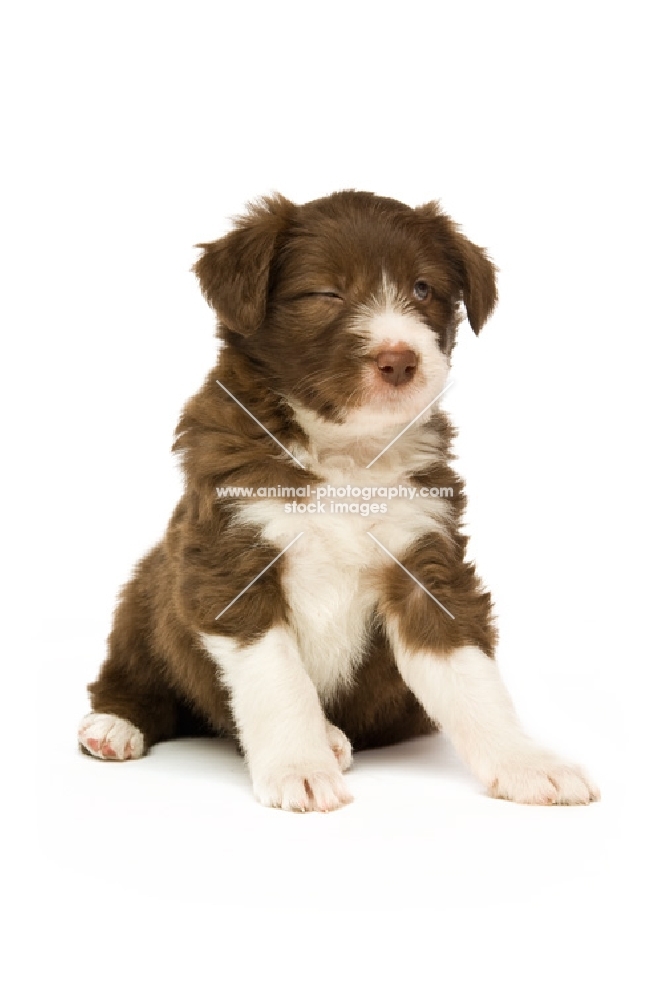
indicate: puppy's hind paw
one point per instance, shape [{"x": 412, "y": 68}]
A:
[
  {"x": 339, "y": 745},
  {"x": 110, "y": 738}
]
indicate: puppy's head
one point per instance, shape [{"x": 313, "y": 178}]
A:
[{"x": 349, "y": 305}]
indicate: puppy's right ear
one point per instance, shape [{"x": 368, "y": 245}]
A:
[{"x": 234, "y": 271}]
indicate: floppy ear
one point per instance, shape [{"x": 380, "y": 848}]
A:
[
  {"x": 234, "y": 271},
  {"x": 475, "y": 271}
]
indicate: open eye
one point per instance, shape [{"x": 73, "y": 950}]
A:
[{"x": 421, "y": 291}]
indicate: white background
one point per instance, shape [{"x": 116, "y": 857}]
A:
[{"x": 132, "y": 131}]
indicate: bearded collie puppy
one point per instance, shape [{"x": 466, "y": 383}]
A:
[{"x": 311, "y": 594}]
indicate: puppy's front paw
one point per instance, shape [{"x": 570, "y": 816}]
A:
[
  {"x": 537, "y": 777},
  {"x": 110, "y": 737},
  {"x": 303, "y": 787},
  {"x": 339, "y": 745}
]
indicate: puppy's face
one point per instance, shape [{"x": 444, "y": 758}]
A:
[{"x": 349, "y": 305}]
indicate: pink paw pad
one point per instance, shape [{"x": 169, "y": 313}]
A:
[{"x": 109, "y": 737}]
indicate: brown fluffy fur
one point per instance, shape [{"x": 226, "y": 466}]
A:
[{"x": 257, "y": 278}]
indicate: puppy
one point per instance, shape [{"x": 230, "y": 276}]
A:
[{"x": 312, "y": 591}]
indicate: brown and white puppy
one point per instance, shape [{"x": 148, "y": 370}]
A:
[{"x": 299, "y": 633}]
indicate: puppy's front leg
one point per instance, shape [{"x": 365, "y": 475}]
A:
[
  {"x": 281, "y": 725},
  {"x": 463, "y": 692}
]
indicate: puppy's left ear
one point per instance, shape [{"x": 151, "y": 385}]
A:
[
  {"x": 234, "y": 271},
  {"x": 474, "y": 270}
]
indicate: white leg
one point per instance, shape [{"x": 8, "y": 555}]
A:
[
  {"x": 463, "y": 692},
  {"x": 280, "y": 722}
]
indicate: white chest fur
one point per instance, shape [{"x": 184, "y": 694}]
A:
[{"x": 329, "y": 573}]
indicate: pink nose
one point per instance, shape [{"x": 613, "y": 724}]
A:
[{"x": 397, "y": 367}]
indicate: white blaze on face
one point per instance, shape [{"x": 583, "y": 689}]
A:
[{"x": 388, "y": 322}]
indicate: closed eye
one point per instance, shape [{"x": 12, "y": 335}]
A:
[{"x": 324, "y": 293}]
